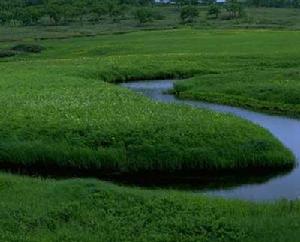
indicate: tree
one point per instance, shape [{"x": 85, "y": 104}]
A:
[
  {"x": 296, "y": 3},
  {"x": 214, "y": 9},
  {"x": 143, "y": 15},
  {"x": 5, "y": 16},
  {"x": 235, "y": 8},
  {"x": 54, "y": 11},
  {"x": 115, "y": 11},
  {"x": 189, "y": 14},
  {"x": 99, "y": 10},
  {"x": 30, "y": 15}
]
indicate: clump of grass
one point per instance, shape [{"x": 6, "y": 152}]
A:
[
  {"x": 7, "y": 53},
  {"x": 28, "y": 48}
]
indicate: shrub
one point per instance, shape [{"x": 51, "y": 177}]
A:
[
  {"x": 214, "y": 10},
  {"x": 189, "y": 14},
  {"x": 30, "y": 48},
  {"x": 234, "y": 8},
  {"x": 6, "y": 53},
  {"x": 143, "y": 15}
]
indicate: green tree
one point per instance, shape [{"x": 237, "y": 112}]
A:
[
  {"x": 143, "y": 15},
  {"x": 30, "y": 15},
  {"x": 214, "y": 10},
  {"x": 54, "y": 11},
  {"x": 189, "y": 14},
  {"x": 115, "y": 11},
  {"x": 234, "y": 8},
  {"x": 99, "y": 10}
]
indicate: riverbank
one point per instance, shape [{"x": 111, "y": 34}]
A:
[
  {"x": 60, "y": 111},
  {"x": 254, "y": 185},
  {"x": 273, "y": 91},
  {"x": 89, "y": 210}
]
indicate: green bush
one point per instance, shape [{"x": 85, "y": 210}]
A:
[
  {"x": 214, "y": 10},
  {"x": 6, "y": 53},
  {"x": 143, "y": 15},
  {"x": 29, "y": 48},
  {"x": 189, "y": 14}
]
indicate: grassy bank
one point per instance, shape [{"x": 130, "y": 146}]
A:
[
  {"x": 65, "y": 121},
  {"x": 273, "y": 91},
  {"x": 89, "y": 210},
  {"x": 60, "y": 111}
]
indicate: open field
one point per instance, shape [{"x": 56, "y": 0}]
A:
[{"x": 62, "y": 109}]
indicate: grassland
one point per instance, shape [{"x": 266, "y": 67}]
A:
[
  {"x": 60, "y": 112},
  {"x": 273, "y": 91},
  {"x": 89, "y": 210},
  {"x": 61, "y": 109}
]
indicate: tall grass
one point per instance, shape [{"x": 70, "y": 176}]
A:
[
  {"x": 274, "y": 91},
  {"x": 63, "y": 113},
  {"x": 89, "y": 210},
  {"x": 57, "y": 110}
]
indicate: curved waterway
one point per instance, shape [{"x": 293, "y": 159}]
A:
[{"x": 287, "y": 130}]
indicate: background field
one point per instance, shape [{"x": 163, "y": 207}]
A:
[{"x": 254, "y": 18}]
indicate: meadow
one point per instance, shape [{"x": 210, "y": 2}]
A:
[
  {"x": 32, "y": 210},
  {"x": 61, "y": 109},
  {"x": 61, "y": 112},
  {"x": 272, "y": 91}
]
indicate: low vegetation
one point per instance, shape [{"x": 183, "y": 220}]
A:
[
  {"x": 62, "y": 109},
  {"x": 29, "y": 48},
  {"x": 60, "y": 112},
  {"x": 67, "y": 121},
  {"x": 90, "y": 210},
  {"x": 268, "y": 91},
  {"x": 7, "y": 53}
]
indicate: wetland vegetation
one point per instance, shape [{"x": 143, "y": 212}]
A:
[{"x": 61, "y": 110}]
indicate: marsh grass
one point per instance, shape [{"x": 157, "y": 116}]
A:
[
  {"x": 28, "y": 48},
  {"x": 7, "y": 53},
  {"x": 90, "y": 210},
  {"x": 59, "y": 109},
  {"x": 273, "y": 91}
]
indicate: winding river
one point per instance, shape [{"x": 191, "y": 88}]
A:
[{"x": 287, "y": 130}]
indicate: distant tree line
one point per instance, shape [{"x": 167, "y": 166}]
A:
[
  {"x": 274, "y": 3},
  {"x": 31, "y": 12}
]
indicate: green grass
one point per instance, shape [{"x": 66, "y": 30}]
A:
[
  {"x": 273, "y": 91},
  {"x": 255, "y": 18},
  {"x": 59, "y": 111},
  {"x": 90, "y": 210},
  {"x": 61, "y": 108}
]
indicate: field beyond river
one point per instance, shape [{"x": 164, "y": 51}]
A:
[{"x": 61, "y": 111}]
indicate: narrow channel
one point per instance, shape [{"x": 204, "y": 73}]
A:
[{"x": 287, "y": 130}]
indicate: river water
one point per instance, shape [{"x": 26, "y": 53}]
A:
[{"x": 287, "y": 130}]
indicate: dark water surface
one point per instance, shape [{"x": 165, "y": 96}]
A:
[{"x": 287, "y": 130}]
